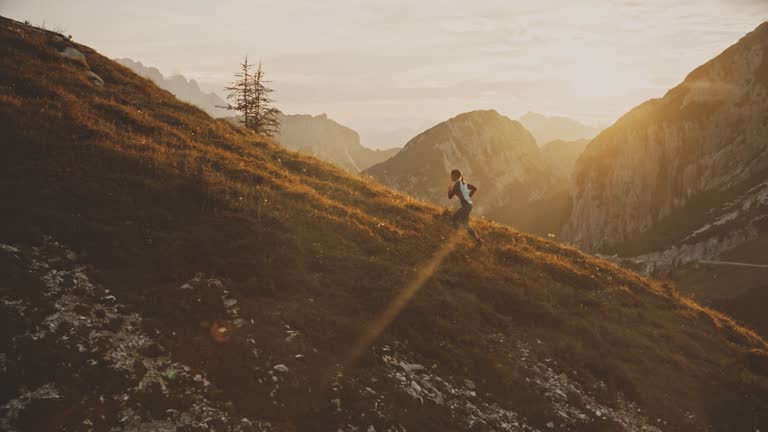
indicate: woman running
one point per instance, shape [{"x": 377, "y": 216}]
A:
[{"x": 464, "y": 191}]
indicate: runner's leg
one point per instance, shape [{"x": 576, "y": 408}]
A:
[
  {"x": 456, "y": 218},
  {"x": 469, "y": 228}
]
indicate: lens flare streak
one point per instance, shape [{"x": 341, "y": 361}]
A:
[{"x": 424, "y": 272}]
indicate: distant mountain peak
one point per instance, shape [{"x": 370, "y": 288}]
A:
[
  {"x": 328, "y": 140},
  {"x": 550, "y": 128},
  {"x": 492, "y": 150},
  {"x": 185, "y": 89}
]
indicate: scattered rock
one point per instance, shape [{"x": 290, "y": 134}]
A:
[
  {"x": 152, "y": 350},
  {"x": 95, "y": 351},
  {"x": 74, "y": 55},
  {"x": 95, "y": 79}
]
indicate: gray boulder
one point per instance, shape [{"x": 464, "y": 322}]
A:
[
  {"x": 73, "y": 54},
  {"x": 95, "y": 79}
]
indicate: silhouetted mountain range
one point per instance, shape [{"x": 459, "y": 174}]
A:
[
  {"x": 186, "y": 90},
  {"x": 546, "y": 129}
]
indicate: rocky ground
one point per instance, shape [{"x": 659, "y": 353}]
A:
[
  {"x": 738, "y": 221},
  {"x": 74, "y": 358}
]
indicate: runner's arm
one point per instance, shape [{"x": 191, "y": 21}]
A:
[{"x": 472, "y": 189}]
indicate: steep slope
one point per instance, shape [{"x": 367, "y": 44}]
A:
[
  {"x": 186, "y": 90},
  {"x": 735, "y": 282},
  {"x": 685, "y": 169},
  {"x": 547, "y": 129},
  {"x": 495, "y": 153},
  {"x": 164, "y": 270},
  {"x": 327, "y": 140}
]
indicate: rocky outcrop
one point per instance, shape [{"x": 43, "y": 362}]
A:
[
  {"x": 547, "y": 129},
  {"x": 71, "y": 53},
  {"x": 328, "y": 140},
  {"x": 739, "y": 221},
  {"x": 664, "y": 169}
]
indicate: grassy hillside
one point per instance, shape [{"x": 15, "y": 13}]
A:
[
  {"x": 740, "y": 291},
  {"x": 149, "y": 191}
]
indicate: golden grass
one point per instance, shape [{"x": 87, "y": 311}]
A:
[{"x": 151, "y": 191}]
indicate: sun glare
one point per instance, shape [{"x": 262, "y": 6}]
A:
[{"x": 423, "y": 273}]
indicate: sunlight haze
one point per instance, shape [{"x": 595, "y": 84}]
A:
[
  {"x": 433, "y": 216},
  {"x": 393, "y": 68}
]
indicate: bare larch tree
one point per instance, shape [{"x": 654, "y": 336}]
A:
[
  {"x": 249, "y": 95},
  {"x": 266, "y": 115}
]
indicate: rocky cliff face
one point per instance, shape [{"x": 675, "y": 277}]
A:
[
  {"x": 671, "y": 166},
  {"x": 325, "y": 139},
  {"x": 495, "y": 153}
]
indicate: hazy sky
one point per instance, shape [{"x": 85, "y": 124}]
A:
[{"x": 393, "y": 67}]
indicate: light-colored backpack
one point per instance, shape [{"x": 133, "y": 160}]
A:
[{"x": 464, "y": 191}]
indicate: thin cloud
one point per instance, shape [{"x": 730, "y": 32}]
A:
[{"x": 416, "y": 62}]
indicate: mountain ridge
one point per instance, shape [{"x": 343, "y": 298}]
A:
[
  {"x": 680, "y": 183},
  {"x": 521, "y": 184},
  {"x": 181, "y": 87},
  {"x": 551, "y": 128},
  {"x": 328, "y": 140},
  {"x": 476, "y": 142},
  {"x": 201, "y": 276},
  {"x": 681, "y": 157}
]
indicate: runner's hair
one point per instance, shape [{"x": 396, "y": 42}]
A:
[{"x": 457, "y": 172}]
